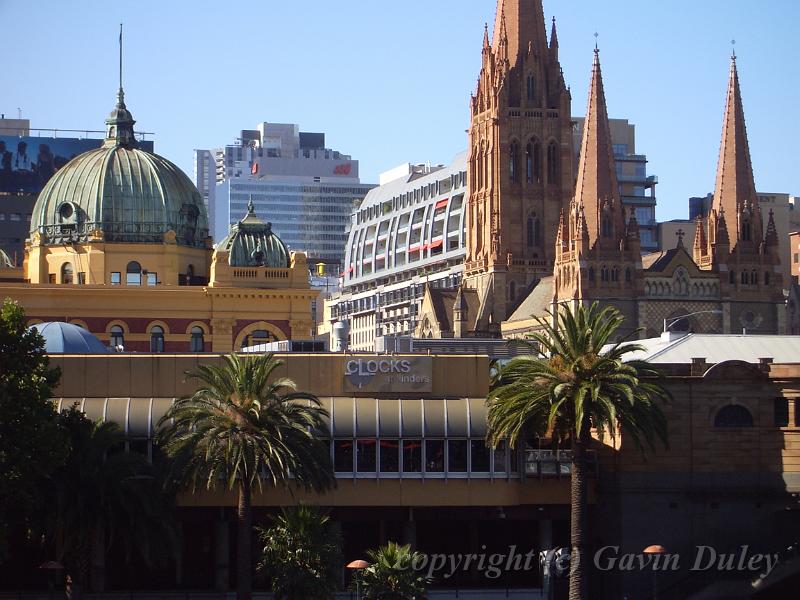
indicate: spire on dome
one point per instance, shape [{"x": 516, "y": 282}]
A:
[
  {"x": 120, "y": 122},
  {"x": 735, "y": 187},
  {"x": 597, "y": 175}
]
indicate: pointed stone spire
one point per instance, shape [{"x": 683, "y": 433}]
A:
[
  {"x": 597, "y": 176},
  {"x": 735, "y": 187},
  {"x": 771, "y": 237},
  {"x": 523, "y": 21},
  {"x": 561, "y": 234},
  {"x": 486, "y": 46},
  {"x": 700, "y": 245},
  {"x": 553, "y": 41}
]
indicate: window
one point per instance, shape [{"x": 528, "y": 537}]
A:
[
  {"x": 412, "y": 456},
  {"x": 133, "y": 273},
  {"x": 531, "y": 88},
  {"x": 117, "y": 336},
  {"x": 197, "y": 343},
  {"x": 628, "y": 275},
  {"x": 157, "y": 339},
  {"x": 512, "y": 164},
  {"x": 116, "y": 278},
  {"x": 797, "y": 413},
  {"x": 733, "y": 415},
  {"x": 534, "y": 232},
  {"x": 16, "y": 216},
  {"x": 343, "y": 456},
  {"x": 152, "y": 278},
  {"x": 747, "y": 231},
  {"x": 434, "y": 456},
  {"x": 781, "y": 412},
  {"x": 51, "y": 278},
  {"x": 744, "y": 277},
  {"x": 390, "y": 456},
  {"x": 479, "y": 455},
  {"x": 66, "y": 273},
  {"x": 754, "y": 278},
  {"x": 766, "y": 278},
  {"x": 81, "y": 278},
  {"x": 732, "y": 277},
  {"x": 457, "y": 456},
  {"x": 552, "y": 163},
  {"x": 366, "y": 455},
  {"x": 608, "y": 228},
  {"x": 795, "y": 257},
  {"x": 500, "y": 454},
  {"x": 258, "y": 337}
]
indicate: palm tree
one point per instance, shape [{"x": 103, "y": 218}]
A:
[
  {"x": 104, "y": 496},
  {"x": 581, "y": 383},
  {"x": 302, "y": 555},
  {"x": 392, "y": 575},
  {"x": 242, "y": 427}
]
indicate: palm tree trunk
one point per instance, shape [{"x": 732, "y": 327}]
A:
[
  {"x": 579, "y": 522},
  {"x": 244, "y": 589}
]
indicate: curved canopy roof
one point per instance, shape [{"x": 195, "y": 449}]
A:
[
  {"x": 251, "y": 243},
  {"x": 66, "y": 338}
]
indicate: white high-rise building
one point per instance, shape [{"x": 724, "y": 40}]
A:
[{"x": 307, "y": 191}]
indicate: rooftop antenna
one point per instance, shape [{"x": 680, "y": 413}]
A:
[
  {"x": 19, "y": 112},
  {"x": 733, "y": 49},
  {"x": 596, "y": 36}
]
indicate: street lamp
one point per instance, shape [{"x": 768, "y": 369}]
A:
[
  {"x": 655, "y": 550},
  {"x": 670, "y": 322},
  {"x": 357, "y": 566}
]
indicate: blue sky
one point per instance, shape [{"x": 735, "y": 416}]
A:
[{"x": 389, "y": 82}]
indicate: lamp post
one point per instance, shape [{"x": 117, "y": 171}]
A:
[
  {"x": 655, "y": 550},
  {"x": 670, "y": 322},
  {"x": 357, "y": 566}
]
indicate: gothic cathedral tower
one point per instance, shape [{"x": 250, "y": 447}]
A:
[
  {"x": 598, "y": 255},
  {"x": 520, "y": 161}
]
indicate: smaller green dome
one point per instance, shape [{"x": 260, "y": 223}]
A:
[{"x": 251, "y": 243}]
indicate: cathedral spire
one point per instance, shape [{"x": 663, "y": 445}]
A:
[
  {"x": 554, "y": 41},
  {"x": 524, "y": 25},
  {"x": 597, "y": 188},
  {"x": 735, "y": 188}
]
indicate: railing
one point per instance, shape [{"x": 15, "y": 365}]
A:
[
  {"x": 471, "y": 594},
  {"x": 554, "y": 463}
]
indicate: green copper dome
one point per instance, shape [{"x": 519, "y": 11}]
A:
[
  {"x": 126, "y": 193},
  {"x": 251, "y": 243}
]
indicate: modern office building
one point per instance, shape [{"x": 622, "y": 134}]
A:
[
  {"x": 637, "y": 189},
  {"x": 205, "y": 168},
  {"x": 408, "y": 233},
  {"x": 307, "y": 191}
]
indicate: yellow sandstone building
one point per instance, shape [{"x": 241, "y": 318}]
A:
[{"x": 119, "y": 245}]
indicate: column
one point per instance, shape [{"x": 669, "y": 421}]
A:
[{"x": 222, "y": 555}]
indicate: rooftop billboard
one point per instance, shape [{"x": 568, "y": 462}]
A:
[{"x": 27, "y": 163}]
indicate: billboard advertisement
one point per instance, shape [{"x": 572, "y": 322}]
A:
[{"x": 27, "y": 163}]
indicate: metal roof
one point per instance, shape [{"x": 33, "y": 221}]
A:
[{"x": 672, "y": 348}]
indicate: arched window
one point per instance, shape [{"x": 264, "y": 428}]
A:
[
  {"x": 615, "y": 274},
  {"x": 628, "y": 275},
  {"x": 534, "y": 232},
  {"x": 747, "y": 230},
  {"x": 732, "y": 277},
  {"x": 766, "y": 277},
  {"x": 591, "y": 274},
  {"x": 512, "y": 164},
  {"x": 754, "y": 277},
  {"x": 608, "y": 227},
  {"x": 529, "y": 163},
  {"x": 258, "y": 337},
  {"x": 117, "y": 336},
  {"x": 531, "y": 88},
  {"x": 733, "y": 415},
  {"x": 133, "y": 273},
  {"x": 157, "y": 339},
  {"x": 198, "y": 343},
  {"x": 66, "y": 273},
  {"x": 552, "y": 163},
  {"x": 744, "y": 277},
  {"x": 603, "y": 274}
]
